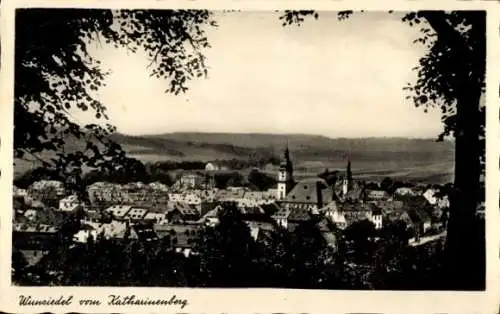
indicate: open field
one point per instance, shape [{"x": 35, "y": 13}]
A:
[{"x": 372, "y": 158}]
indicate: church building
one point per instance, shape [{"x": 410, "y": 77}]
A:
[
  {"x": 308, "y": 194},
  {"x": 285, "y": 176},
  {"x": 314, "y": 193},
  {"x": 348, "y": 190}
]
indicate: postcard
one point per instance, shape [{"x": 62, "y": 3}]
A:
[{"x": 249, "y": 157}]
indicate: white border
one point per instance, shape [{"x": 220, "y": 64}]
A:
[{"x": 264, "y": 300}]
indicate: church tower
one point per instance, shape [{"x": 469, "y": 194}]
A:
[
  {"x": 347, "y": 182},
  {"x": 285, "y": 175}
]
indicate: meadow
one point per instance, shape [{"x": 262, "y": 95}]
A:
[{"x": 416, "y": 160}]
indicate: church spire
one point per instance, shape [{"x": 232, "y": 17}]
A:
[
  {"x": 348, "y": 170},
  {"x": 286, "y": 163},
  {"x": 347, "y": 182}
]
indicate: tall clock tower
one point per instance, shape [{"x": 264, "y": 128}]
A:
[{"x": 285, "y": 175}]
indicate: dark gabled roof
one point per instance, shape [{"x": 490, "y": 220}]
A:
[
  {"x": 145, "y": 232},
  {"x": 158, "y": 209},
  {"x": 355, "y": 194},
  {"x": 184, "y": 209},
  {"x": 85, "y": 226},
  {"x": 176, "y": 228},
  {"x": 208, "y": 206},
  {"x": 281, "y": 213},
  {"x": 399, "y": 216},
  {"x": 307, "y": 191},
  {"x": 418, "y": 215},
  {"x": 331, "y": 206},
  {"x": 32, "y": 257},
  {"x": 270, "y": 208},
  {"x": 389, "y": 206},
  {"x": 357, "y": 207},
  {"x": 181, "y": 235},
  {"x": 251, "y": 210},
  {"x": 299, "y": 214},
  {"x": 413, "y": 200},
  {"x": 224, "y": 194},
  {"x": 351, "y": 217}
]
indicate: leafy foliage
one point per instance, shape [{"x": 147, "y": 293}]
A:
[
  {"x": 452, "y": 38},
  {"x": 228, "y": 256},
  {"x": 225, "y": 179},
  {"x": 451, "y": 77},
  {"x": 330, "y": 177},
  {"x": 56, "y": 75},
  {"x": 260, "y": 180},
  {"x": 361, "y": 234},
  {"x": 224, "y": 251}
]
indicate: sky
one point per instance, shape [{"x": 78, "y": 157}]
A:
[{"x": 326, "y": 77}]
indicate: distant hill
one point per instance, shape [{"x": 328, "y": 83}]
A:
[
  {"x": 301, "y": 144},
  {"x": 310, "y": 153}
]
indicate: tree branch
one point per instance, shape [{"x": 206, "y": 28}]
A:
[
  {"x": 45, "y": 163},
  {"x": 155, "y": 57},
  {"x": 444, "y": 30}
]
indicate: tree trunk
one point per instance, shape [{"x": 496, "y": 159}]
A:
[
  {"x": 464, "y": 264},
  {"x": 465, "y": 251}
]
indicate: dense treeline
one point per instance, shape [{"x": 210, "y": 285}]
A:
[
  {"x": 228, "y": 256},
  {"x": 136, "y": 171},
  {"x": 26, "y": 179}
]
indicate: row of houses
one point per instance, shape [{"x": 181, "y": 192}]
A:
[
  {"x": 183, "y": 237},
  {"x": 179, "y": 212},
  {"x": 345, "y": 214},
  {"x": 110, "y": 194},
  {"x": 181, "y": 225},
  {"x": 302, "y": 202},
  {"x": 104, "y": 195}
]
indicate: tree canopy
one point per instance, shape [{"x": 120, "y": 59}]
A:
[
  {"x": 450, "y": 76},
  {"x": 456, "y": 57},
  {"x": 55, "y": 74}
]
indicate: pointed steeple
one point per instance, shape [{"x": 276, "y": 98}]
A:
[
  {"x": 348, "y": 171},
  {"x": 347, "y": 181},
  {"x": 286, "y": 163}
]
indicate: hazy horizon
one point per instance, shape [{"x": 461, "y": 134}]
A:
[{"x": 283, "y": 134}]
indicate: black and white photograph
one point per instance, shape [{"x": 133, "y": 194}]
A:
[{"x": 285, "y": 149}]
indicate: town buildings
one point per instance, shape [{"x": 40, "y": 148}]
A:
[{"x": 178, "y": 213}]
